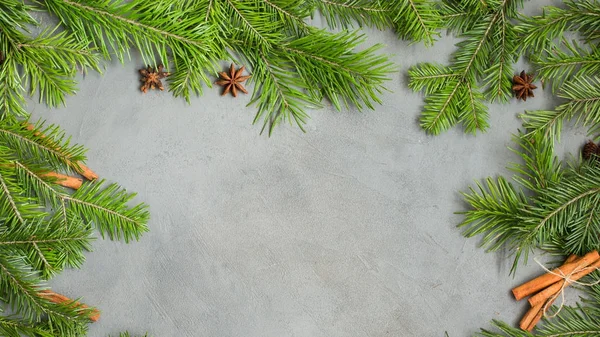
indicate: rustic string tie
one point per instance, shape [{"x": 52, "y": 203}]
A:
[{"x": 567, "y": 279}]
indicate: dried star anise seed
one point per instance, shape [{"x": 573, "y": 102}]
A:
[
  {"x": 151, "y": 78},
  {"x": 523, "y": 86},
  {"x": 233, "y": 81}
]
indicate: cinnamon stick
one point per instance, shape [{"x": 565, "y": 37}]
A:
[
  {"x": 94, "y": 315},
  {"x": 535, "y": 313},
  {"x": 530, "y": 316},
  {"x": 571, "y": 258},
  {"x": 547, "y": 279},
  {"x": 79, "y": 166},
  {"x": 86, "y": 172},
  {"x": 556, "y": 287},
  {"x": 65, "y": 180},
  {"x": 539, "y": 315}
]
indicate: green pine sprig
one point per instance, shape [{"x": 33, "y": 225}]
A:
[
  {"x": 546, "y": 203},
  {"x": 20, "y": 288},
  {"x": 572, "y": 68},
  {"x": 581, "y": 103},
  {"x": 44, "y": 64},
  {"x": 190, "y": 37},
  {"x": 538, "y": 32},
  {"x": 481, "y": 68},
  {"x": 45, "y": 228}
]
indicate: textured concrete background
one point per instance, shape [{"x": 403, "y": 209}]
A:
[{"x": 347, "y": 230}]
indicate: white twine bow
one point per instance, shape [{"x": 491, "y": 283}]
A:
[{"x": 567, "y": 279}]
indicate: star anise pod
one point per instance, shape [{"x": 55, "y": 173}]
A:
[
  {"x": 233, "y": 81},
  {"x": 523, "y": 86},
  {"x": 151, "y": 78}
]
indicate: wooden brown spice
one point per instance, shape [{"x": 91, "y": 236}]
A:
[
  {"x": 94, "y": 314},
  {"x": 548, "y": 279},
  {"x": 65, "y": 180},
  {"x": 554, "y": 289},
  {"x": 551, "y": 285}
]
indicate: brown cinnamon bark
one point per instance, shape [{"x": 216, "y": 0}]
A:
[
  {"x": 65, "y": 180},
  {"x": 539, "y": 315},
  {"x": 543, "y": 295},
  {"x": 530, "y": 316},
  {"x": 87, "y": 172},
  {"x": 94, "y": 315},
  {"x": 571, "y": 258},
  {"x": 79, "y": 166},
  {"x": 535, "y": 313},
  {"x": 548, "y": 279}
]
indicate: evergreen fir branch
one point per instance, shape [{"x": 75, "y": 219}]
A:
[
  {"x": 474, "y": 116},
  {"x": 417, "y": 20},
  {"x": 457, "y": 17},
  {"x": 475, "y": 50},
  {"x": 291, "y": 12},
  {"x": 34, "y": 184},
  {"x": 505, "y": 330},
  {"x": 430, "y": 78},
  {"x": 16, "y": 208},
  {"x": 45, "y": 144},
  {"x": 241, "y": 22},
  {"x": 325, "y": 63},
  {"x": 497, "y": 212},
  {"x": 12, "y": 202},
  {"x": 35, "y": 245},
  {"x": 539, "y": 167},
  {"x": 281, "y": 96},
  {"x": 343, "y": 13},
  {"x": 538, "y": 32},
  {"x": 488, "y": 37},
  {"x": 107, "y": 209},
  {"x": 502, "y": 57},
  {"x": 559, "y": 65},
  {"x": 547, "y": 122},
  {"x": 155, "y": 31},
  {"x": 552, "y": 205},
  {"x": 582, "y": 97},
  {"x": 114, "y": 19},
  {"x": 14, "y": 327},
  {"x": 12, "y": 101},
  {"x": 329, "y": 68},
  {"x": 193, "y": 35},
  {"x": 50, "y": 62},
  {"x": 44, "y": 64},
  {"x": 21, "y": 288},
  {"x": 568, "y": 209},
  {"x": 478, "y": 5},
  {"x": 14, "y": 16},
  {"x": 442, "y": 107},
  {"x": 49, "y": 246}
]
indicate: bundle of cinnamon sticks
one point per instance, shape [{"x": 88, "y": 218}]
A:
[{"x": 549, "y": 286}]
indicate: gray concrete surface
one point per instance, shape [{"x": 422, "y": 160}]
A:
[{"x": 347, "y": 230}]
